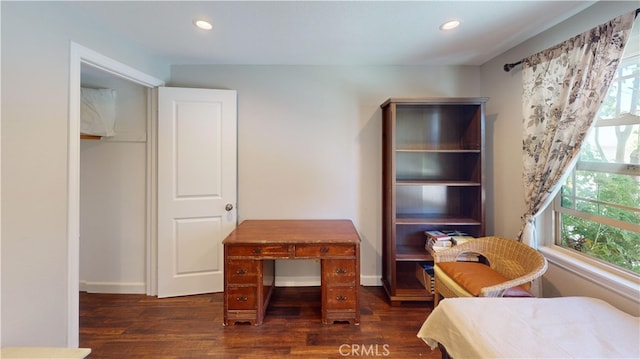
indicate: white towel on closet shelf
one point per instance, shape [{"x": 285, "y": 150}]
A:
[{"x": 98, "y": 111}]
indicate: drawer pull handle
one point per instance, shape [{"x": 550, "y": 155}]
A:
[
  {"x": 241, "y": 271},
  {"x": 341, "y": 298},
  {"x": 257, "y": 250},
  {"x": 241, "y": 299},
  {"x": 324, "y": 250},
  {"x": 341, "y": 271}
]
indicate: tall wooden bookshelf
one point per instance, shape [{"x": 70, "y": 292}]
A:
[{"x": 433, "y": 179}]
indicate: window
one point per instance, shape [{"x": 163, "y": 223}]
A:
[{"x": 597, "y": 211}]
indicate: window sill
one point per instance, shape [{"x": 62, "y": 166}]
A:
[{"x": 620, "y": 282}]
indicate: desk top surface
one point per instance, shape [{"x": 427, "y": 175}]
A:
[{"x": 339, "y": 231}]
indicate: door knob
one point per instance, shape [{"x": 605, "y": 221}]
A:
[{"x": 228, "y": 207}]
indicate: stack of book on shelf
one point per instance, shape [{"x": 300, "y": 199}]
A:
[
  {"x": 441, "y": 240},
  {"x": 437, "y": 241},
  {"x": 458, "y": 237},
  {"x": 468, "y": 257}
]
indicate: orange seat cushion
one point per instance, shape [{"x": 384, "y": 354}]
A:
[{"x": 474, "y": 276}]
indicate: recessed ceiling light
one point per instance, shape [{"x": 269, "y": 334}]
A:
[
  {"x": 450, "y": 25},
  {"x": 203, "y": 24}
]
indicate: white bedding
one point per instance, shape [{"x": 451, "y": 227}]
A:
[
  {"x": 97, "y": 111},
  {"x": 566, "y": 327}
]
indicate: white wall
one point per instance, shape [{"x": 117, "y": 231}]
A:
[
  {"x": 113, "y": 194},
  {"x": 505, "y": 198},
  {"x": 35, "y": 80},
  {"x": 309, "y": 145},
  {"x": 309, "y": 142}
]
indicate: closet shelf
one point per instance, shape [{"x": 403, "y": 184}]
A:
[{"x": 84, "y": 136}]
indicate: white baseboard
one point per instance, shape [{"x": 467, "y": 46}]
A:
[
  {"x": 371, "y": 280},
  {"x": 113, "y": 287},
  {"x": 282, "y": 281},
  {"x": 285, "y": 281},
  {"x": 311, "y": 281}
]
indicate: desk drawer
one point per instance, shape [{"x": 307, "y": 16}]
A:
[
  {"x": 242, "y": 271},
  {"x": 326, "y": 250},
  {"x": 241, "y": 298},
  {"x": 257, "y": 250},
  {"x": 339, "y": 272},
  {"x": 341, "y": 298}
]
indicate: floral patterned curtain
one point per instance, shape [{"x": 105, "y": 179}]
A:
[{"x": 564, "y": 87}]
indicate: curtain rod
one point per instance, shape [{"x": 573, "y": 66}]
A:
[{"x": 508, "y": 67}]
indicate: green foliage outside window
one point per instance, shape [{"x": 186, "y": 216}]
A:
[
  {"x": 609, "y": 243},
  {"x": 602, "y": 194}
]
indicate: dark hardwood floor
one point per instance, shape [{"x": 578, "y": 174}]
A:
[{"x": 138, "y": 326}]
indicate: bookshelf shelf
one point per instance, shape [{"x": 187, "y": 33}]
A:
[
  {"x": 444, "y": 221},
  {"x": 433, "y": 179},
  {"x": 419, "y": 182},
  {"x": 438, "y": 149},
  {"x": 413, "y": 253}
]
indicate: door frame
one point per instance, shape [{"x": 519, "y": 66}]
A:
[{"x": 81, "y": 55}]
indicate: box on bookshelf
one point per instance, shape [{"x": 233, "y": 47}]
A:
[{"x": 424, "y": 274}]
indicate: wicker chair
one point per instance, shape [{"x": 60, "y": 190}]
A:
[{"x": 516, "y": 261}]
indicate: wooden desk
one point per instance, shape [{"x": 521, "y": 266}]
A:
[{"x": 250, "y": 252}]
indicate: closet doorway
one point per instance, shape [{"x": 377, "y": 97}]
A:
[
  {"x": 82, "y": 58},
  {"x": 113, "y": 189}
]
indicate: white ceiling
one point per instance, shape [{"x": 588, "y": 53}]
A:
[{"x": 326, "y": 32}]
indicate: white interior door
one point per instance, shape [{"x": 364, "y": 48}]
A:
[{"x": 197, "y": 136}]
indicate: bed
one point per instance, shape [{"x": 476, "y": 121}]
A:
[{"x": 564, "y": 327}]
